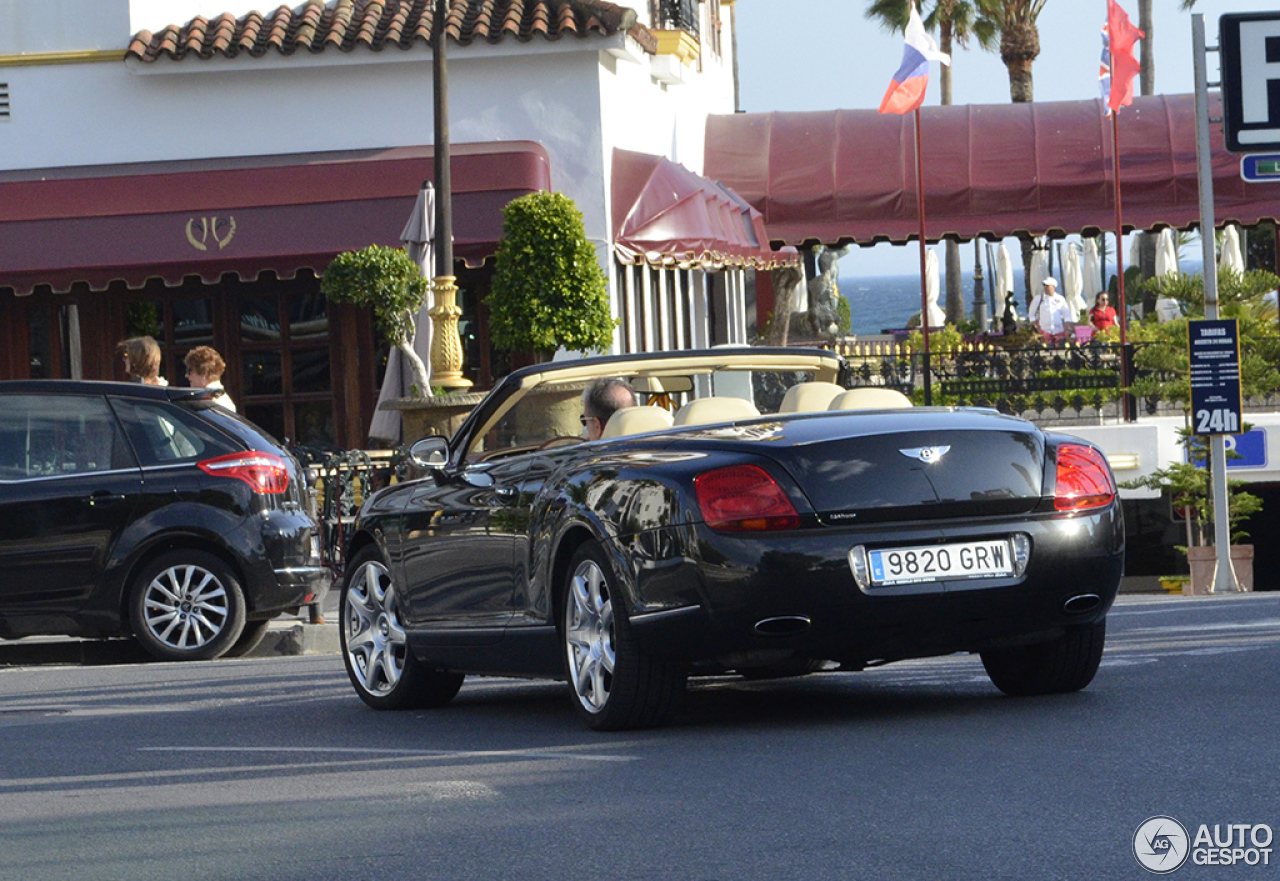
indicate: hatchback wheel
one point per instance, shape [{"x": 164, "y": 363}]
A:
[
  {"x": 187, "y": 606},
  {"x": 382, "y": 667},
  {"x": 614, "y": 684}
]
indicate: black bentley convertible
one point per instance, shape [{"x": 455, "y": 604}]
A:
[{"x": 750, "y": 515}]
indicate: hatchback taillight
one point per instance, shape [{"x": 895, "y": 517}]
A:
[
  {"x": 744, "y": 498},
  {"x": 1084, "y": 480},
  {"x": 264, "y": 472}
]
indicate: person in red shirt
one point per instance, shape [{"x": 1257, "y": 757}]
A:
[{"x": 1102, "y": 315}]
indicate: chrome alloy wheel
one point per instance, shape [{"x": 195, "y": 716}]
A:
[
  {"x": 186, "y": 606},
  {"x": 589, "y": 635},
  {"x": 374, "y": 638}
]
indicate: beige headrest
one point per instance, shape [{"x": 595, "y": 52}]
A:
[
  {"x": 636, "y": 420},
  {"x": 708, "y": 411},
  {"x": 809, "y": 397},
  {"x": 870, "y": 398}
]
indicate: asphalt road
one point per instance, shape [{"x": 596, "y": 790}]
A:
[{"x": 271, "y": 768}]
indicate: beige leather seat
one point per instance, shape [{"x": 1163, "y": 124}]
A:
[
  {"x": 870, "y": 398},
  {"x": 636, "y": 420},
  {"x": 809, "y": 397},
  {"x": 709, "y": 411}
]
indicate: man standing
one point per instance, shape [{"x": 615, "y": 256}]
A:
[{"x": 1051, "y": 314}]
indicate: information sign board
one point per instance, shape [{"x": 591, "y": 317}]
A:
[{"x": 1214, "y": 346}]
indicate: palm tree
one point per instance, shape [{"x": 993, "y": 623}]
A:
[
  {"x": 956, "y": 23},
  {"x": 1147, "y": 76},
  {"x": 1015, "y": 21}
]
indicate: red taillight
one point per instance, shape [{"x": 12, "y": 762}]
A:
[
  {"x": 1084, "y": 480},
  {"x": 262, "y": 471},
  {"x": 744, "y": 498}
]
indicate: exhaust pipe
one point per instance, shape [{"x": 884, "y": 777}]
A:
[
  {"x": 1079, "y": 605},
  {"x": 784, "y": 625}
]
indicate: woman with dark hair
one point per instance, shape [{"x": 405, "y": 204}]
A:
[
  {"x": 141, "y": 360},
  {"x": 1102, "y": 315}
]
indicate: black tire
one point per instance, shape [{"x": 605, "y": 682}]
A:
[
  {"x": 382, "y": 667},
  {"x": 186, "y": 605},
  {"x": 613, "y": 684},
  {"x": 1065, "y": 664},
  {"x": 250, "y": 638}
]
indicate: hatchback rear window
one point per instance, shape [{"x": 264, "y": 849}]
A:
[{"x": 162, "y": 434}]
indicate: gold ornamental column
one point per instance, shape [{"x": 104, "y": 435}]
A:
[{"x": 446, "y": 345}]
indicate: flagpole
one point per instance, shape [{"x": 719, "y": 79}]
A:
[
  {"x": 924, "y": 295},
  {"x": 1127, "y": 400},
  {"x": 1115, "y": 154}
]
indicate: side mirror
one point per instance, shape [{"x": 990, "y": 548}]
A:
[{"x": 430, "y": 453}]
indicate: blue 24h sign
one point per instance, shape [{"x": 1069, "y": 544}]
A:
[{"x": 1215, "y": 376}]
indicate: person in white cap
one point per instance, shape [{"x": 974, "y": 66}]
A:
[{"x": 1051, "y": 314}]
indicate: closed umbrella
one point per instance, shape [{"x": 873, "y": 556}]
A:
[
  {"x": 1167, "y": 308},
  {"x": 1091, "y": 273},
  {"x": 1004, "y": 281},
  {"x": 937, "y": 317},
  {"x": 1166, "y": 253},
  {"x": 417, "y": 236},
  {"x": 1073, "y": 282},
  {"x": 1231, "y": 257},
  {"x": 1039, "y": 265}
]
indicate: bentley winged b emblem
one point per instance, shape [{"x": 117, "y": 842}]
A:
[{"x": 926, "y": 455}]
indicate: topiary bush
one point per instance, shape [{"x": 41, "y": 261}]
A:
[
  {"x": 548, "y": 288},
  {"x": 387, "y": 280}
]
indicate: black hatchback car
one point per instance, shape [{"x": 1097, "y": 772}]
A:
[{"x": 130, "y": 509}]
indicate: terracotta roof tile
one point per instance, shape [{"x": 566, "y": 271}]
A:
[{"x": 376, "y": 24}]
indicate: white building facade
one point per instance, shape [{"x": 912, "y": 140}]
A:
[{"x": 114, "y": 110}]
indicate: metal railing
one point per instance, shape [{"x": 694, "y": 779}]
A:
[{"x": 338, "y": 482}]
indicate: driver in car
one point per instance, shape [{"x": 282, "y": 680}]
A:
[{"x": 602, "y": 399}]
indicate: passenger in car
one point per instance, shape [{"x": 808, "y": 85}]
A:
[
  {"x": 601, "y": 400},
  {"x": 204, "y": 370},
  {"x": 142, "y": 360}
]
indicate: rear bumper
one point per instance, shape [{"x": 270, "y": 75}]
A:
[{"x": 795, "y": 594}]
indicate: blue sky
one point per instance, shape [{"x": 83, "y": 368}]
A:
[{"x": 823, "y": 54}]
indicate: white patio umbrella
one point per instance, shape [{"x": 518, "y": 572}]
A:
[
  {"x": 1166, "y": 253},
  {"x": 417, "y": 236},
  {"x": 1039, "y": 265},
  {"x": 1167, "y": 308},
  {"x": 1091, "y": 273},
  {"x": 1073, "y": 282},
  {"x": 1004, "y": 281},
  {"x": 1232, "y": 256},
  {"x": 932, "y": 288}
]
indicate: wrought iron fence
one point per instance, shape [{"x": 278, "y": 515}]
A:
[
  {"x": 676, "y": 15},
  {"x": 1043, "y": 382},
  {"x": 338, "y": 482}
]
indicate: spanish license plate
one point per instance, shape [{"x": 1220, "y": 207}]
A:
[{"x": 969, "y": 559}]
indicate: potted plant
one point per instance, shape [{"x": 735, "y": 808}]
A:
[
  {"x": 388, "y": 281},
  {"x": 1190, "y": 491},
  {"x": 548, "y": 289}
]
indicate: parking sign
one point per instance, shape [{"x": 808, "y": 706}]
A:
[
  {"x": 1250, "y": 47},
  {"x": 1214, "y": 347}
]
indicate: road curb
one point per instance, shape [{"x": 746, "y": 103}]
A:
[{"x": 296, "y": 638}]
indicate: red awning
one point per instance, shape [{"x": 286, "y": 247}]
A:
[
  {"x": 275, "y": 213},
  {"x": 665, "y": 214},
  {"x": 993, "y": 170}
]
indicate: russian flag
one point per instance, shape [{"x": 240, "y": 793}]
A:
[{"x": 906, "y": 92}]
